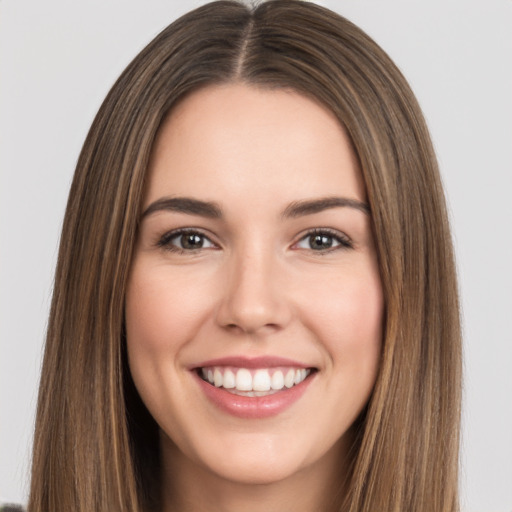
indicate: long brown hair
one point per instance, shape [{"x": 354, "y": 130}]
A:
[{"x": 96, "y": 446}]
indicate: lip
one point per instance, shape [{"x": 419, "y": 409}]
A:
[
  {"x": 250, "y": 362},
  {"x": 252, "y": 407}
]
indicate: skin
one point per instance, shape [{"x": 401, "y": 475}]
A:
[{"x": 256, "y": 287}]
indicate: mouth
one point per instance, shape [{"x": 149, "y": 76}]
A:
[
  {"x": 254, "y": 382},
  {"x": 253, "y": 388}
]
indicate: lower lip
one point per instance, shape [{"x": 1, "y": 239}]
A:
[{"x": 255, "y": 406}]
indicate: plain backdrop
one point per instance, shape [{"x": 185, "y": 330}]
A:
[{"x": 59, "y": 58}]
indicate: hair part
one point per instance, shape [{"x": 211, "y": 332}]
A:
[{"x": 91, "y": 448}]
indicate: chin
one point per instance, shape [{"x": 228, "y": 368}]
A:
[
  {"x": 256, "y": 472},
  {"x": 257, "y": 458}
]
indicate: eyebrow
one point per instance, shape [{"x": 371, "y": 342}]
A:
[
  {"x": 212, "y": 210},
  {"x": 309, "y": 207},
  {"x": 185, "y": 205}
]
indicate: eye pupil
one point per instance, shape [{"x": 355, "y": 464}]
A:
[
  {"x": 191, "y": 241},
  {"x": 320, "y": 241}
]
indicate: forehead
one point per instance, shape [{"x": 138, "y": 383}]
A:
[{"x": 232, "y": 140}]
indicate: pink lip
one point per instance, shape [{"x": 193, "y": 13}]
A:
[
  {"x": 251, "y": 362},
  {"x": 252, "y": 407}
]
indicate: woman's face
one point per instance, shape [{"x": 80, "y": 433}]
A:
[{"x": 254, "y": 306}]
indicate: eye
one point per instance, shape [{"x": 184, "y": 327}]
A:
[
  {"x": 324, "y": 240},
  {"x": 185, "y": 240}
]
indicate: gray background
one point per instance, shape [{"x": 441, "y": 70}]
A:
[{"x": 59, "y": 58}]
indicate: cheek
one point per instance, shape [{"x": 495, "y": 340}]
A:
[
  {"x": 349, "y": 311},
  {"x": 162, "y": 311},
  {"x": 361, "y": 314},
  {"x": 348, "y": 321}
]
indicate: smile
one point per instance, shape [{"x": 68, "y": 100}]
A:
[
  {"x": 253, "y": 388},
  {"x": 254, "y": 382}
]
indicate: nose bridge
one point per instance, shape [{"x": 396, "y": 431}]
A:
[{"x": 252, "y": 299}]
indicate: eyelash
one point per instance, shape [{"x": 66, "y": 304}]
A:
[
  {"x": 344, "y": 242},
  {"x": 165, "y": 241}
]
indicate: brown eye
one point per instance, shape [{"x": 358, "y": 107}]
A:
[
  {"x": 320, "y": 242},
  {"x": 323, "y": 240},
  {"x": 185, "y": 241},
  {"x": 190, "y": 241}
]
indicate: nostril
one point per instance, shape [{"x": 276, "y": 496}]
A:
[
  {"x": 251, "y": 330},
  {"x": 233, "y": 328}
]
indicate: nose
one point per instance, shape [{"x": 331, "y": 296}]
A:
[{"x": 253, "y": 300}]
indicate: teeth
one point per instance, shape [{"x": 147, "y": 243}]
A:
[
  {"x": 300, "y": 375},
  {"x": 289, "y": 379},
  {"x": 217, "y": 378},
  {"x": 277, "y": 380},
  {"x": 260, "y": 380},
  {"x": 229, "y": 380},
  {"x": 243, "y": 380}
]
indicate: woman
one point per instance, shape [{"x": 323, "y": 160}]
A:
[{"x": 255, "y": 302}]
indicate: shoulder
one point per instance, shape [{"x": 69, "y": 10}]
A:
[{"x": 11, "y": 508}]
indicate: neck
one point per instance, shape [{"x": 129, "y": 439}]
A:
[{"x": 191, "y": 487}]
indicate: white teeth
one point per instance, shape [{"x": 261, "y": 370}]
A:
[
  {"x": 277, "y": 380},
  {"x": 289, "y": 379},
  {"x": 243, "y": 380},
  {"x": 259, "y": 381},
  {"x": 229, "y": 379},
  {"x": 217, "y": 378}
]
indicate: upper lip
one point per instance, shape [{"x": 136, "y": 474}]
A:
[{"x": 251, "y": 362}]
